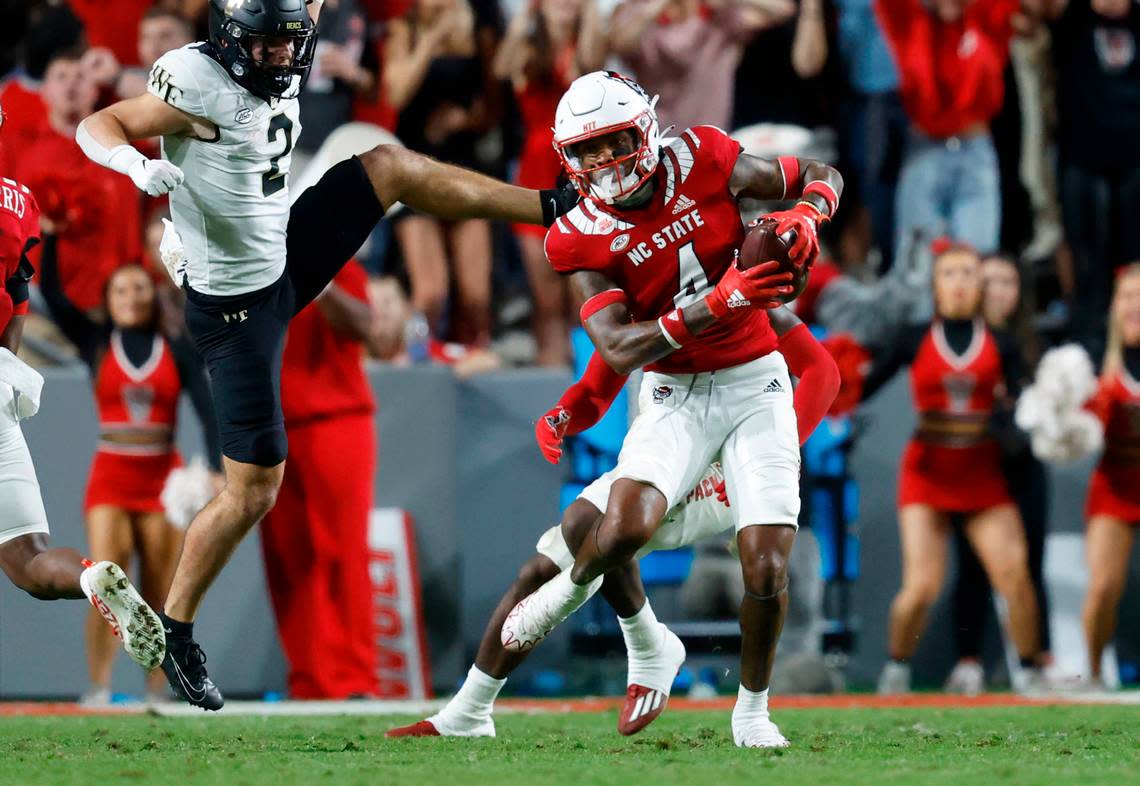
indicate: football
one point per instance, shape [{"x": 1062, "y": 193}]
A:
[{"x": 762, "y": 244}]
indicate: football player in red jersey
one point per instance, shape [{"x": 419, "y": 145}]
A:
[
  {"x": 654, "y": 652},
  {"x": 25, "y": 556},
  {"x": 650, "y": 250}
]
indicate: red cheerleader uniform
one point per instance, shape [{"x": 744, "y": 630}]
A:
[
  {"x": 539, "y": 164},
  {"x": 1114, "y": 489},
  {"x": 952, "y": 463},
  {"x": 136, "y": 400}
]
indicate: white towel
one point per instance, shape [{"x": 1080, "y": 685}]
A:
[{"x": 25, "y": 381}]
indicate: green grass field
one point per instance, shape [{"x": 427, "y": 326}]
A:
[{"x": 1026, "y": 745}]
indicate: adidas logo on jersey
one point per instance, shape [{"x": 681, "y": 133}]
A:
[
  {"x": 774, "y": 387},
  {"x": 683, "y": 204},
  {"x": 737, "y": 300}
]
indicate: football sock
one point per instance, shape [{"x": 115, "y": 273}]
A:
[
  {"x": 751, "y": 706},
  {"x": 642, "y": 632},
  {"x": 474, "y": 701},
  {"x": 176, "y": 628}
]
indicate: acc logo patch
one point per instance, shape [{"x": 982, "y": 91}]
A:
[
  {"x": 619, "y": 244},
  {"x": 661, "y": 392},
  {"x": 604, "y": 225},
  {"x": 244, "y": 115}
]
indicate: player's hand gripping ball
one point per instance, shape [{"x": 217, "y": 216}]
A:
[{"x": 764, "y": 244}]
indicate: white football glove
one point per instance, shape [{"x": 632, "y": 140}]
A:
[
  {"x": 172, "y": 252},
  {"x": 155, "y": 176}
]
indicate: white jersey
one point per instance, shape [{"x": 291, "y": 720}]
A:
[{"x": 232, "y": 210}]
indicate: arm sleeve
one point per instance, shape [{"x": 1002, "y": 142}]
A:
[
  {"x": 87, "y": 335},
  {"x": 588, "y": 399},
  {"x": 818, "y": 378},
  {"x": 192, "y": 374},
  {"x": 888, "y": 361},
  {"x": 176, "y": 78}
]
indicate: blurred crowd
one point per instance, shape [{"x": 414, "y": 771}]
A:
[{"x": 1010, "y": 126}]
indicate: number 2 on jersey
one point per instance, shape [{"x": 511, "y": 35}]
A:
[
  {"x": 694, "y": 282},
  {"x": 274, "y": 180}
]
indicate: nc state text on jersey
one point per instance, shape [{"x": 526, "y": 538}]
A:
[{"x": 670, "y": 233}]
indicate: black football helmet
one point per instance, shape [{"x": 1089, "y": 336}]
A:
[{"x": 239, "y": 27}]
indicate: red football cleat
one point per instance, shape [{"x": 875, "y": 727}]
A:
[
  {"x": 642, "y": 706},
  {"x": 422, "y": 729}
]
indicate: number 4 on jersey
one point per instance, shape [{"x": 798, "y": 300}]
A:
[{"x": 694, "y": 282}]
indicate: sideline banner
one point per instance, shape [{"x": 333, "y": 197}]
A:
[{"x": 398, "y": 620}]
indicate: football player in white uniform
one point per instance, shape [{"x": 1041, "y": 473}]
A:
[{"x": 226, "y": 110}]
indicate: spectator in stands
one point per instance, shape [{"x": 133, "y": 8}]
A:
[
  {"x": 394, "y": 340},
  {"x": 687, "y": 52},
  {"x": 951, "y": 55},
  {"x": 433, "y": 76},
  {"x": 345, "y": 66},
  {"x": 548, "y": 44},
  {"x": 873, "y": 123},
  {"x": 138, "y": 375},
  {"x": 1098, "y": 144},
  {"x": 113, "y": 26},
  {"x": 1003, "y": 308},
  {"x": 315, "y": 540},
  {"x": 160, "y": 31},
  {"x": 95, "y": 212}
]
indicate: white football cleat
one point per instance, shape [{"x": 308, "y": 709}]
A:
[
  {"x": 966, "y": 679},
  {"x": 111, "y": 592},
  {"x": 649, "y": 682},
  {"x": 761, "y": 733},
  {"x": 894, "y": 679},
  {"x": 543, "y": 610}
]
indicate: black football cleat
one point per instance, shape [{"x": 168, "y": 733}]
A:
[{"x": 185, "y": 669}]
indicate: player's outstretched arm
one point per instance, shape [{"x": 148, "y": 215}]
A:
[
  {"x": 105, "y": 138},
  {"x": 627, "y": 345},
  {"x": 451, "y": 192}
]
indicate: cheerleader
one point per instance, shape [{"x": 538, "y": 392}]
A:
[
  {"x": 1113, "y": 506},
  {"x": 138, "y": 375},
  {"x": 960, "y": 371}
]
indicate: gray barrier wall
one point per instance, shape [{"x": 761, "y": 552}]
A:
[{"x": 460, "y": 457}]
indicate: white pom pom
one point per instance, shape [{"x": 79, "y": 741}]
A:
[{"x": 187, "y": 490}]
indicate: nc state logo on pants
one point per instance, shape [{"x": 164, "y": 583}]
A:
[{"x": 661, "y": 392}]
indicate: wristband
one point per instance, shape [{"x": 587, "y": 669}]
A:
[
  {"x": 790, "y": 169},
  {"x": 600, "y": 301},
  {"x": 119, "y": 158},
  {"x": 674, "y": 329},
  {"x": 824, "y": 190}
]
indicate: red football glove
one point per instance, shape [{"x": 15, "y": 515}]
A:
[
  {"x": 722, "y": 494},
  {"x": 804, "y": 220},
  {"x": 549, "y": 432},
  {"x": 757, "y": 287}
]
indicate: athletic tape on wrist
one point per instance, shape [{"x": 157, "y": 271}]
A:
[
  {"x": 600, "y": 301},
  {"x": 674, "y": 329},
  {"x": 825, "y": 190}
]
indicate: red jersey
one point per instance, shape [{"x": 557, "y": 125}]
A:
[
  {"x": 1117, "y": 404},
  {"x": 322, "y": 374},
  {"x": 944, "y": 381},
  {"x": 671, "y": 252},
  {"x": 950, "y": 73},
  {"x": 25, "y": 116},
  {"x": 19, "y": 231},
  {"x": 118, "y": 31},
  {"x": 97, "y": 211},
  {"x": 137, "y": 398}
]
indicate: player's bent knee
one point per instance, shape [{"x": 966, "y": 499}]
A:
[{"x": 765, "y": 573}]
